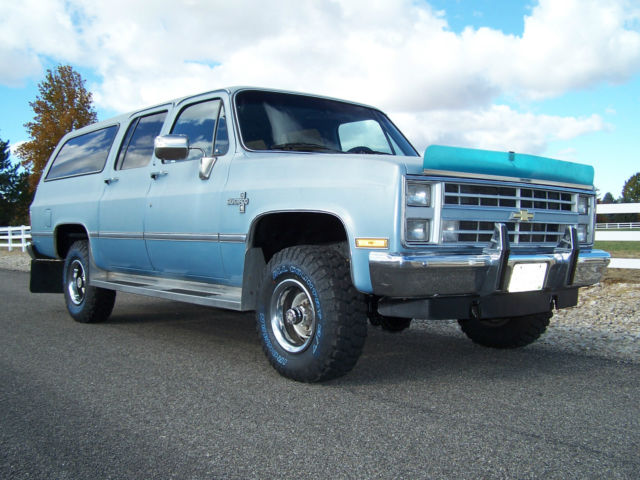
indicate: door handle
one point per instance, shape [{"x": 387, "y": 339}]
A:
[
  {"x": 161, "y": 173},
  {"x": 111, "y": 180}
]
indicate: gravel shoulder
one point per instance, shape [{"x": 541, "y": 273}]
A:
[{"x": 605, "y": 323}]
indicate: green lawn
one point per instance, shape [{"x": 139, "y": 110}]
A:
[{"x": 620, "y": 249}]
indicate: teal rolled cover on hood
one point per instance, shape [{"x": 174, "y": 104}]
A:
[{"x": 505, "y": 164}]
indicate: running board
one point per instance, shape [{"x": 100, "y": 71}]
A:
[{"x": 212, "y": 295}]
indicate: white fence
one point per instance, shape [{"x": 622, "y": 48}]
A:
[
  {"x": 618, "y": 232},
  {"x": 618, "y": 226},
  {"x": 15, "y": 237}
]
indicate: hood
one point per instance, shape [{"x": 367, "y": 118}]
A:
[{"x": 440, "y": 159}]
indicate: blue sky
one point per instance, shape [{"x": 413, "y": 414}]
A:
[{"x": 547, "y": 77}]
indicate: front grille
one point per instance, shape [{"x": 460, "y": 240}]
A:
[
  {"x": 509, "y": 197},
  {"x": 519, "y": 233}
]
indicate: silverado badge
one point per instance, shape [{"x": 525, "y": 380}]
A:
[
  {"x": 243, "y": 201},
  {"x": 521, "y": 216}
]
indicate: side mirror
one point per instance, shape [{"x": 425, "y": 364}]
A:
[
  {"x": 206, "y": 166},
  {"x": 171, "y": 147}
]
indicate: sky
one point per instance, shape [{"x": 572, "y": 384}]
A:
[{"x": 558, "y": 78}]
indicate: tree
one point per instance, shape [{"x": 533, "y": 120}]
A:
[
  {"x": 631, "y": 189},
  {"x": 64, "y": 104},
  {"x": 15, "y": 194},
  {"x": 631, "y": 194},
  {"x": 608, "y": 198}
]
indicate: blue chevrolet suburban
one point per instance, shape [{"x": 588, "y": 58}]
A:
[{"x": 317, "y": 214}]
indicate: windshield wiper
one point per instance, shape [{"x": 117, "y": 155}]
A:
[{"x": 303, "y": 147}]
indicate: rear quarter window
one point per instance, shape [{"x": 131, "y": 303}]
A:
[{"x": 83, "y": 154}]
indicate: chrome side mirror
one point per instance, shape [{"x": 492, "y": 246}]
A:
[
  {"x": 171, "y": 147},
  {"x": 206, "y": 166}
]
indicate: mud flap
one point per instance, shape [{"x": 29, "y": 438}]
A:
[{"x": 46, "y": 276}]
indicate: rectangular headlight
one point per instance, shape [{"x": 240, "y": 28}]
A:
[
  {"x": 417, "y": 230},
  {"x": 418, "y": 194},
  {"x": 449, "y": 231},
  {"x": 583, "y": 204},
  {"x": 582, "y": 234}
]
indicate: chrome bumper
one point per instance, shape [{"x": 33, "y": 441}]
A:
[{"x": 427, "y": 274}]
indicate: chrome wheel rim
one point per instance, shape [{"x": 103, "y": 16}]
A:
[
  {"x": 77, "y": 282},
  {"x": 293, "y": 316}
]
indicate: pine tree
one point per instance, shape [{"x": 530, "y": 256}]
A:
[
  {"x": 15, "y": 194},
  {"x": 63, "y": 105}
]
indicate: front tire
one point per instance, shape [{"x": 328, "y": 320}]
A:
[
  {"x": 86, "y": 304},
  {"x": 506, "y": 332},
  {"x": 311, "y": 321}
]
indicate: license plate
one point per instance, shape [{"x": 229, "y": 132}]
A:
[{"x": 527, "y": 277}]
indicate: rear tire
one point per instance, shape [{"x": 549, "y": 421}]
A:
[
  {"x": 311, "y": 321},
  {"x": 86, "y": 304},
  {"x": 506, "y": 332}
]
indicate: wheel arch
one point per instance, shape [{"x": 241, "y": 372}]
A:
[
  {"x": 272, "y": 232},
  {"x": 65, "y": 234}
]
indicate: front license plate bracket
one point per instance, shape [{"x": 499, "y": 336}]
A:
[{"x": 527, "y": 277}]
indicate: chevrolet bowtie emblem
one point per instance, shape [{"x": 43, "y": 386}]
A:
[{"x": 521, "y": 216}]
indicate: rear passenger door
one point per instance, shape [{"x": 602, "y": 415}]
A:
[
  {"x": 124, "y": 202},
  {"x": 182, "y": 221}
]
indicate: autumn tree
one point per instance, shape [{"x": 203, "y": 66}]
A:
[
  {"x": 63, "y": 104},
  {"x": 14, "y": 190}
]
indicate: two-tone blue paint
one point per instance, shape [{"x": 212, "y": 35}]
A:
[{"x": 181, "y": 226}]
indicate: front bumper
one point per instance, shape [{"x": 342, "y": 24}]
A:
[{"x": 427, "y": 274}]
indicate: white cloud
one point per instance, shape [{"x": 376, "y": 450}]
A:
[
  {"x": 397, "y": 54},
  {"x": 497, "y": 127}
]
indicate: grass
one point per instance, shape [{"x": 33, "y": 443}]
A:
[{"x": 620, "y": 249}]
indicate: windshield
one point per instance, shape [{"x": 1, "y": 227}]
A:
[{"x": 283, "y": 121}]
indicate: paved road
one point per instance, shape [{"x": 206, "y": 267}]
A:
[{"x": 167, "y": 390}]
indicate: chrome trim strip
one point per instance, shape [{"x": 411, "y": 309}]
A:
[
  {"x": 182, "y": 237},
  {"x": 120, "y": 235},
  {"x": 481, "y": 176},
  {"x": 41, "y": 234},
  {"x": 174, "y": 237},
  {"x": 233, "y": 237}
]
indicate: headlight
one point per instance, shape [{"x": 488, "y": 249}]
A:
[
  {"x": 583, "y": 205},
  {"x": 417, "y": 230},
  {"x": 418, "y": 194},
  {"x": 582, "y": 234},
  {"x": 449, "y": 233}
]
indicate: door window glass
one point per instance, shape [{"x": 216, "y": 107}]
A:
[
  {"x": 137, "y": 148},
  {"x": 198, "y": 123},
  {"x": 222, "y": 135}
]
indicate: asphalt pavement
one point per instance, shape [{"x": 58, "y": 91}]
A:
[{"x": 169, "y": 390}]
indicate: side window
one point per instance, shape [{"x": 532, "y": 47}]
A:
[
  {"x": 137, "y": 147},
  {"x": 83, "y": 154},
  {"x": 365, "y": 133},
  {"x": 221, "y": 145},
  {"x": 198, "y": 122}
]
